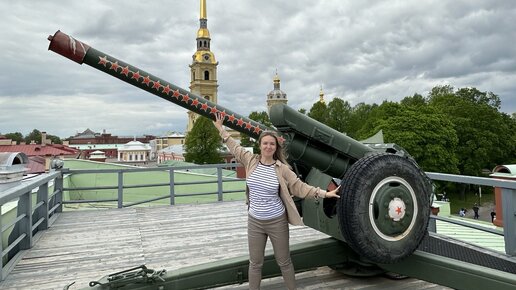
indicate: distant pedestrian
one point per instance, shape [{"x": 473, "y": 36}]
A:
[
  {"x": 462, "y": 212},
  {"x": 475, "y": 209},
  {"x": 493, "y": 216}
]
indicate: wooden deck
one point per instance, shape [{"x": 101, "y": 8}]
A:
[{"x": 82, "y": 246}]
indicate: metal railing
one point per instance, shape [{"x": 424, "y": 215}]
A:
[
  {"x": 30, "y": 220},
  {"x": 508, "y": 189},
  {"x": 171, "y": 183}
]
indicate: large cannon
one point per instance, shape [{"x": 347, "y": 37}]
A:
[{"x": 385, "y": 199}]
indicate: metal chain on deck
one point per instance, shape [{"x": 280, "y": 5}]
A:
[{"x": 140, "y": 275}]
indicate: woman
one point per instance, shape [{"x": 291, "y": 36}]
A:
[{"x": 270, "y": 184}]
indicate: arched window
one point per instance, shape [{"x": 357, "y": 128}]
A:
[
  {"x": 193, "y": 75},
  {"x": 206, "y": 75}
]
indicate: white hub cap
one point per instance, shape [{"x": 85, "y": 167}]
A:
[{"x": 396, "y": 209}]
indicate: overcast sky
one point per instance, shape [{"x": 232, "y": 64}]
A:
[{"x": 360, "y": 51}]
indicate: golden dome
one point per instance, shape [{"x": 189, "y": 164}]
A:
[{"x": 203, "y": 33}]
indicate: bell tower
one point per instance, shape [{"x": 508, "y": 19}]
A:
[
  {"x": 276, "y": 96},
  {"x": 203, "y": 70}
]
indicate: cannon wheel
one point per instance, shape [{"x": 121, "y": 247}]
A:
[{"x": 384, "y": 207}]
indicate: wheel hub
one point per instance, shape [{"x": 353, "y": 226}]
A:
[
  {"x": 392, "y": 208},
  {"x": 396, "y": 209}
]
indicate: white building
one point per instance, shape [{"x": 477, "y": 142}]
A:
[{"x": 134, "y": 151}]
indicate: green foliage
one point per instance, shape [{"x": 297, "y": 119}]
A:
[
  {"x": 360, "y": 113},
  {"x": 375, "y": 116},
  {"x": 319, "y": 112},
  {"x": 202, "y": 143},
  {"x": 35, "y": 136},
  {"x": 486, "y": 136},
  {"x": 416, "y": 101},
  {"x": 17, "y": 136},
  {"x": 339, "y": 113},
  {"x": 426, "y": 134},
  {"x": 245, "y": 140},
  {"x": 54, "y": 139}
]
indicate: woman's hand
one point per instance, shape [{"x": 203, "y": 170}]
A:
[
  {"x": 218, "y": 122},
  {"x": 333, "y": 193}
]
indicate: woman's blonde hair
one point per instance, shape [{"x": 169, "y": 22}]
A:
[{"x": 280, "y": 153}]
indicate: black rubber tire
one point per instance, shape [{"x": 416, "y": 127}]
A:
[{"x": 359, "y": 222}]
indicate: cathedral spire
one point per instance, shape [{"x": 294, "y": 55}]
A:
[
  {"x": 321, "y": 95},
  {"x": 203, "y": 53},
  {"x": 203, "y": 13}
]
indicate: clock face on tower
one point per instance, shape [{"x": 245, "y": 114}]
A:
[{"x": 206, "y": 57}]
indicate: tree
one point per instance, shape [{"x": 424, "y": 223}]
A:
[
  {"x": 486, "y": 136},
  {"x": 16, "y": 136},
  {"x": 54, "y": 139},
  {"x": 319, "y": 112},
  {"x": 339, "y": 114},
  {"x": 359, "y": 114},
  {"x": 426, "y": 134},
  {"x": 35, "y": 136},
  {"x": 376, "y": 115},
  {"x": 416, "y": 101},
  {"x": 245, "y": 140},
  {"x": 203, "y": 143}
]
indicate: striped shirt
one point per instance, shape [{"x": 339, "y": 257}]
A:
[{"x": 264, "y": 200}]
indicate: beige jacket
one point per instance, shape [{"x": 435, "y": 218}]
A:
[{"x": 290, "y": 184}]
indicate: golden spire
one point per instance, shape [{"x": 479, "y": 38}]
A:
[
  {"x": 321, "y": 96},
  {"x": 276, "y": 78},
  {"x": 203, "y": 53},
  {"x": 203, "y": 10}
]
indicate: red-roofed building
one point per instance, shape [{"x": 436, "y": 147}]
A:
[{"x": 40, "y": 155}]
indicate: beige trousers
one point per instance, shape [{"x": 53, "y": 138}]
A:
[{"x": 257, "y": 233}]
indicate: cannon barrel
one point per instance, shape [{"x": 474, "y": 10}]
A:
[
  {"x": 80, "y": 52},
  {"x": 306, "y": 140}
]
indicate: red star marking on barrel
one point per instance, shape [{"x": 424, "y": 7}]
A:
[
  {"x": 156, "y": 85},
  {"x": 136, "y": 75},
  {"x": 176, "y": 94},
  {"x": 214, "y": 110},
  {"x": 248, "y": 125},
  {"x": 204, "y": 107},
  {"x": 146, "y": 80},
  {"x": 398, "y": 210},
  {"x": 166, "y": 89},
  {"x": 103, "y": 60},
  {"x": 114, "y": 65},
  {"x": 195, "y": 102},
  {"x": 186, "y": 98},
  {"x": 223, "y": 115},
  {"x": 231, "y": 118},
  {"x": 125, "y": 71},
  {"x": 240, "y": 122},
  {"x": 257, "y": 129}
]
